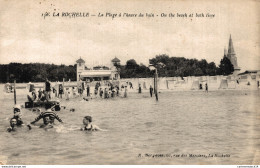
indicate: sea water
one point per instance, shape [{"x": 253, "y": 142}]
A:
[{"x": 183, "y": 127}]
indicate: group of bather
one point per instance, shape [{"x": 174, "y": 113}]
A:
[
  {"x": 48, "y": 118},
  {"x": 41, "y": 96},
  {"x": 107, "y": 90}
]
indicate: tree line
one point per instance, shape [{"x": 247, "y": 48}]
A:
[
  {"x": 36, "y": 72},
  {"x": 166, "y": 66},
  {"x": 175, "y": 67}
]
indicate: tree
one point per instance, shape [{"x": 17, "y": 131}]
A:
[
  {"x": 180, "y": 66},
  {"x": 36, "y": 72},
  {"x": 160, "y": 59},
  {"x": 225, "y": 67},
  {"x": 166, "y": 66},
  {"x": 211, "y": 69},
  {"x": 131, "y": 64},
  {"x": 203, "y": 65}
]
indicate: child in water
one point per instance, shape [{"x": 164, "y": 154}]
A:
[
  {"x": 17, "y": 115},
  {"x": 13, "y": 125},
  {"x": 16, "y": 120},
  {"x": 88, "y": 126}
]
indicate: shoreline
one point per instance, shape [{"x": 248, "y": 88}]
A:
[{"x": 164, "y": 85}]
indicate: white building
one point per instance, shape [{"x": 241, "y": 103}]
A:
[{"x": 98, "y": 74}]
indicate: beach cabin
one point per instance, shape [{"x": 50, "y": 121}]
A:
[
  {"x": 249, "y": 76},
  {"x": 223, "y": 83}
]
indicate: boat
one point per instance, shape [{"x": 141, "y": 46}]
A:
[{"x": 44, "y": 104}]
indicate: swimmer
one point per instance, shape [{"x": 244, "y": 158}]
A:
[
  {"x": 85, "y": 99},
  {"x": 47, "y": 123},
  {"x": 139, "y": 89},
  {"x": 88, "y": 91},
  {"x": 17, "y": 115},
  {"x": 88, "y": 126},
  {"x": 106, "y": 93},
  {"x": 13, "y": 125},
  {"x": 151, "y": 91},
  {"x": 113, "y": 92},
  {"x": 36, "y": 110},
  {"x": 96, "y": 92},
  {"x": 56, "y": 106},
  {"x": 101, "y": 92},
  {"x": 47, "y": 115},
  {"x": 117, "y": 90}
]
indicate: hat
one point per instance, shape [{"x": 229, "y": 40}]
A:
[
  {"x": 13, "y": 119},
  {"x": 17, "y": 106},
  {"x": 89, "y": 118}
]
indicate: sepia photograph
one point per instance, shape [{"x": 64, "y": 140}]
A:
[{"x": 174, "y": 82}]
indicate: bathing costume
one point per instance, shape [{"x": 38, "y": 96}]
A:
[
  {"x": 18, "y": 120},
  {"x": 51, "y": 115},
  {"x": 89, "y": 129}
]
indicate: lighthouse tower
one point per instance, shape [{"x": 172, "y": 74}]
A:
[{"x": 231, "y": 55}]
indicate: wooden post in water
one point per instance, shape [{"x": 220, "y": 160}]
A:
[
  {"x": 63, "y": 87},
  {"x": 257, "y": 84},
  {"x": 156, "y": 84},
  {"x": 14, "y": 92}
]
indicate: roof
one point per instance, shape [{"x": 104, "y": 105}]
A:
[
  {"x": 96, "y": 73},
  {"x": 80, "y": 61},
  {"x": 115, "y": 60},
  {"x": 230, "y": 46},
  {"x": 249, "y": 72}
]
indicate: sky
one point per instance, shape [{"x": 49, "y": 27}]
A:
[{"x": 26, "y": 37}]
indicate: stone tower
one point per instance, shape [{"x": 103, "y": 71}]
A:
[
  {"x": 115, "y": 72},
  {"x": 231, "y": 55},
  {"x": 80, "y": 67}
]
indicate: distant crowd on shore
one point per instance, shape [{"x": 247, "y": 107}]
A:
[{"x": 104, "y": 90}]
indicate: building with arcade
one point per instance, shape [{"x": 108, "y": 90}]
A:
[{"x": 98, "y": 73}]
